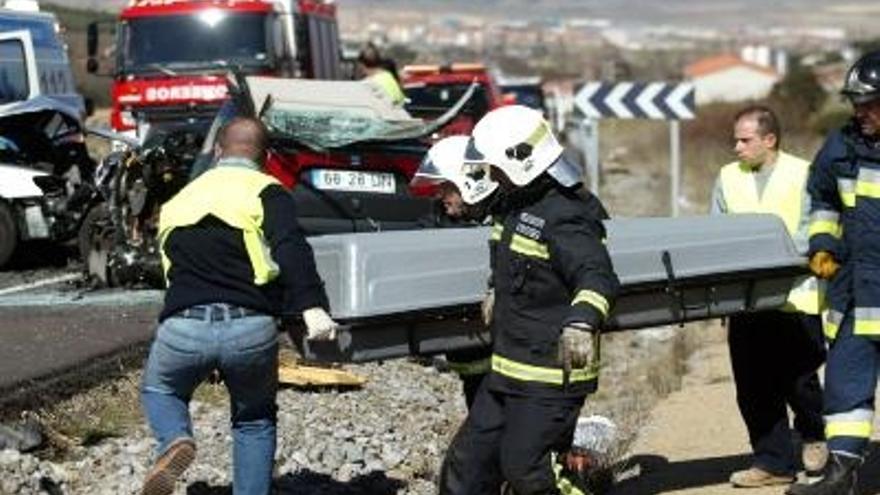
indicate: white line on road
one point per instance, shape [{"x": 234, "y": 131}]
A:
[
  {"x": 109, "y": 297},
  {"x": 39, "y": 283}
]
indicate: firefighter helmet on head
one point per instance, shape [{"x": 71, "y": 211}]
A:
[
  {"x": 519, "y": 141},
  {"x": 863, "y": 79},
  {"x": 444, "y": 162}
]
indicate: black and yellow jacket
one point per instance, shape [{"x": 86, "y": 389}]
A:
[
  {"x": 550, "y": 269},
  {"x": 231, "y": 236},
  {"x": 844, "y": 186}
]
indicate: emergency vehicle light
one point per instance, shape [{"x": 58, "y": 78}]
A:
[{"x": 443, "y": 69}]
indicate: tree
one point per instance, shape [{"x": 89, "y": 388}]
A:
[
  {"x": 798, "y": 92},
  {"x": 869, "y": 45}
]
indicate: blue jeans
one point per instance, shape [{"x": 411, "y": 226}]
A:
[{"x": 245, "y": 351}]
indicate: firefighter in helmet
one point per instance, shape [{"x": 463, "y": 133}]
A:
[
  {"x": 554, "y": 289},
  {"x": 461, "y": 199},
  {"x": 844, "y": 185}
]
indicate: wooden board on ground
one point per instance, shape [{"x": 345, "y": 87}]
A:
[{"x": 312, "y": 376}]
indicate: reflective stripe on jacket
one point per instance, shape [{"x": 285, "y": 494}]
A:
[
  {"x": 844, "y": 186},
  {"x": 232, "y": 194},
  {"x": 783, "y": 196},
  {"x": 550, "y": 269},
  {"x": 470, "y": 368}
]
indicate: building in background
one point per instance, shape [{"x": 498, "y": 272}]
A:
[
  {"x": 766, "y": 56},
  {"x": 729, "y": 78}
]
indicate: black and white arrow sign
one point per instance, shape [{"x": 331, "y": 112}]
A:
[{"x": 636, "y": 100}]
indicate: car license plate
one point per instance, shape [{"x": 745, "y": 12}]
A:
[{"x": 354, "y": 180}]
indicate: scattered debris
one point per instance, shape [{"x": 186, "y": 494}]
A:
[{"x": 313, "y": 376}]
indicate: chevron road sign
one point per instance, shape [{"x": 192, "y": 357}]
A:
[{"x": 636, "y": 100}]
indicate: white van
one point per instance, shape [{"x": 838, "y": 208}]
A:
[
  {"x": 49, "y": 74},
  {"x": 45, "y": 170}
]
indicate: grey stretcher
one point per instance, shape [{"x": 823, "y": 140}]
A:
[{"x": 418, "y": 292}]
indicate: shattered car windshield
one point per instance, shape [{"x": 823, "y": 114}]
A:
[{"x": 234, "y": 39}]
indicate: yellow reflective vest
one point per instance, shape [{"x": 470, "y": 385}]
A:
[
  {"x": 232, "y": 194},
  {"x": 385, "y": 81},
  {"x": 783, "y": 196}
]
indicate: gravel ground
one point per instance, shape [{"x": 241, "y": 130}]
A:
[{"x": 386, "y": 438}]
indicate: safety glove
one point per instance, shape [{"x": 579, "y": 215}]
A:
[
  {"x": 823, "y": 264},
  {"x": 319, "y": 325},
  {"x": 488, "y": 306},
  {"x": 576, "y": 346}
]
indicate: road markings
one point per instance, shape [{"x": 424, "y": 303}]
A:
[{"x": 39, "y": 283}]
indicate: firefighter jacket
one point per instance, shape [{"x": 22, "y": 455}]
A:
[
  {"x": 231, "y": 236},
  {"x": 845, "y": 220},
  {"x": 550, "y": 269},
  {"x": 784, "y": 194}
]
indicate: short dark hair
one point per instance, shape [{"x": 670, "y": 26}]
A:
[
  {"x": 370, "y": 56},
  {"x": 767, "y": 121},
  {"x": 244, "y": 136}
]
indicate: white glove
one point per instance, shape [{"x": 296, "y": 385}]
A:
[
  {"x": 576, "y": 346},
  {"x": 488, "y": 306},
  {"x": 319, "y": 325}
]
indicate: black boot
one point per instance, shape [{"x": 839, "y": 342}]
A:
[{"x": 839, "y": 478}]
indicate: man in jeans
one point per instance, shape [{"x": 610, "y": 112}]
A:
[{"x": 234, "y": 257}]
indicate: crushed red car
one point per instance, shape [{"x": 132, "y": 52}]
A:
[{"x": 432, "y": 89}]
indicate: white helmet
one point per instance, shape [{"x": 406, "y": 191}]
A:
[
  {"x": 444, "y": 162},
  {"x": 518, "y": 140}
]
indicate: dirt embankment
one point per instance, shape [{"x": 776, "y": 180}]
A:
[{"x": 694, "y": 438}]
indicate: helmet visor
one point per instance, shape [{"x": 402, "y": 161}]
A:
[
  {"x": 856, "y": 99},
  {"x": 472, "y": 154},
  {"x": 428, "y": 173},
  {"x": 564, "y": 172}
]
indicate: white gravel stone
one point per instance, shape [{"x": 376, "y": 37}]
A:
[
  {"x": 10, "y": 458},
  {"x": 387, "y": 437}
]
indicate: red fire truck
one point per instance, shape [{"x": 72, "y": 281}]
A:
[{"x": 172, "y": 55}]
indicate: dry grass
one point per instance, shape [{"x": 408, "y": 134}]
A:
[
  {"x": 99, "y": 402},
  {"x": 109, "y": 410}
]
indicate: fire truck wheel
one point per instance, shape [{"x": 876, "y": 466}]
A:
[{"x": 8, "y": 233}]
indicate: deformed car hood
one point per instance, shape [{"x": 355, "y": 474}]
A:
[
  {"x": 333, "y": 114},
  {"x": 39, "y": 104}
]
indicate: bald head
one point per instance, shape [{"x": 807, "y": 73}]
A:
[{"x": 243, "y": 137}]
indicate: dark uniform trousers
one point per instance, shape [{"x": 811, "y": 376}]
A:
[
  {"x": 509, "y": 437},
  {"x": 549, "y": 268},
  {"x": 775, "y": 356},
  {"x": 472, "y": 366},
  {"x": 851, "y": 382}
]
